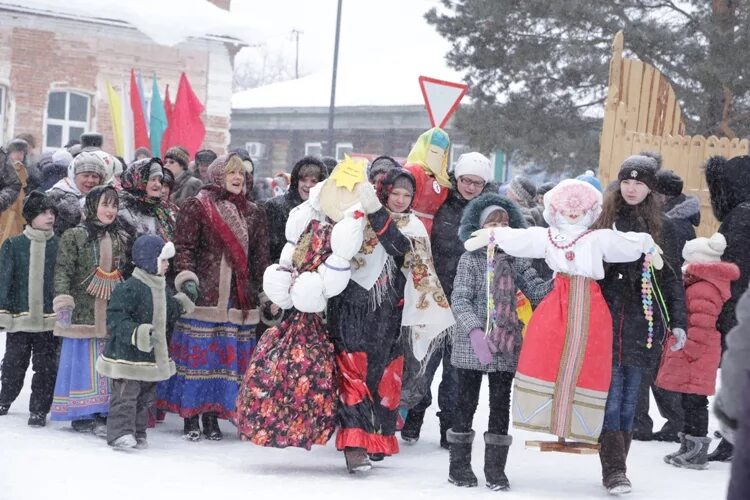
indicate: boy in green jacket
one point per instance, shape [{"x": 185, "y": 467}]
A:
[
  {"x": 135, "y": 357},
  {"x": 27, "y": 264}
]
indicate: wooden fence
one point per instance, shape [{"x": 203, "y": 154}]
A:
[{"x": 642, "y": 114}]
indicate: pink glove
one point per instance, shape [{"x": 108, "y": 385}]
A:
[{"x": 480, "y": 346}]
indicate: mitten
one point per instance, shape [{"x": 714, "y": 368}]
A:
[
  {"x": 479, "y": 239},
  {"x": 680, "y": 338},
  {"x": 191, "y": 290},
  {"x": 368, "y": 197},
  {"x": 65, "y": 317},
  {"x": 480, "y": 346}
]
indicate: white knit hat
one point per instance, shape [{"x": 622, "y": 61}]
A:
[
  {"x": 705, "y": 249},
  {"x": 473, "y": 164}
]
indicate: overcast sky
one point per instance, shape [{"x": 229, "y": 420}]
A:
[{"x": 375, "y": 32}]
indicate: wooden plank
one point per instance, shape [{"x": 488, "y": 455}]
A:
[
  {"x": 618, "y": 142},
  {"x": 696, "y": 159},
  {"x": 670, "y": 153},
  {"x": 634, "y": 94},
  {"x": 669, "y": 112},
  {"x": 645, "y": 104},
  {"x": 653, "y": 106}
]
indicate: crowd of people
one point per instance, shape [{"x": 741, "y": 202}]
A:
[{"x": 324, "y": 300}]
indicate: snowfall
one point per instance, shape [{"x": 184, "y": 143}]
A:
[{"x": 55, "y": 462}]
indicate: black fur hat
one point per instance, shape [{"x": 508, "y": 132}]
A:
[
  {"x": 91, "y": 140},
  {"x": 728, "y": 183},
  {"x": 669, "y": 183},
  {"x": 639, "y": 168},
  {"x": 36, "y": 203},
  {"x": 473, "y": 211}
]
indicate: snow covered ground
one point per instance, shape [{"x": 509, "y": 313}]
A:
[{"x": 55, "y": 462}]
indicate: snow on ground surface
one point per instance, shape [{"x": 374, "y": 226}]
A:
[{"x": 57, "y": 463}]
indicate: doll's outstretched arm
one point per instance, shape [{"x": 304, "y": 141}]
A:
[{"x": 530, "y": 242}]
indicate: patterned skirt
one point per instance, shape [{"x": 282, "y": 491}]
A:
[
  {"x": 565, "y": 365},
  {"x": 80, "y": 392},
  {"x": 211, "y": 359},
  {"x": 288, "y": 396}
]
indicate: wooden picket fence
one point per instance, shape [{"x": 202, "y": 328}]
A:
[{"x": 642, "y": 114}]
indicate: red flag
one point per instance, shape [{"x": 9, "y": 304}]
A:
[
  {"x": 168, "y": 105},
  {"x": 184, "y": 127},
  {"x": 140, "y": 132}
]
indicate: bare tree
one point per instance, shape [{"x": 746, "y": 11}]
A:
[{"x": 263, "y": 67}]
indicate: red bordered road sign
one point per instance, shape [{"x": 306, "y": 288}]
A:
[{"x": 441, "y": 98}]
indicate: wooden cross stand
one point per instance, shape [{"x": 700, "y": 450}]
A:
[{"x": 561, "y": 445}]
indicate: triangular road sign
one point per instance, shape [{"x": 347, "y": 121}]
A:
[{"x": 441, "y": 98}]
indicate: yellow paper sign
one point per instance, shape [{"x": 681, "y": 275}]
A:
[{"x": 349, "y": 172}]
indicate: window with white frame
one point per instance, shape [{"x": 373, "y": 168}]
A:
[
  {"x": 343, "y": 148},
  {"x": 67, "y": 117},
  {"x": 3, "y": 104},
  {"x": 314, "y": 149},
  {"x": 256, "y": 150},
  {"x": 456, "y": 151}
]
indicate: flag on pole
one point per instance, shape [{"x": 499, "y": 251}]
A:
[
  {"x": 168, "y": 105},
  {"x": 140, "y": 134},
  {"x": 127, "y": 124},
  {"x": 185, "y": 127},
  {"x": 115, "y": 113},
  {"x": 158, "y": 122},
  {"x": 142, "y": 96}
]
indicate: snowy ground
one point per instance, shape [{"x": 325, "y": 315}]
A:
[{"x": 54, "y": 462}]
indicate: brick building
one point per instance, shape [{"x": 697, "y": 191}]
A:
[{"x": 54, "y": 67}]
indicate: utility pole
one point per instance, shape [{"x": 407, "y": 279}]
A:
[
  {"x": 331, "y": 145},
  {"x": 296, "y": 33}
]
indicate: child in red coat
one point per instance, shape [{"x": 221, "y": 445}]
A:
[{"x": 692, "y": 370}]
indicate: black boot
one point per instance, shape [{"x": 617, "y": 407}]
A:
[
  {"x": 412, "y": 426},
  {"x": 211, "y": 427},
  {"x": 722, "y": 453},
  {"x": 356, "y": 460},
  {"x": 446, "y": 422},
  {"x": 83, "y": 425},
  {"x": 612, "y": 455},
  {"x": 460, "y": 472},
  {"x": 37, "y": 419},
  {"x": 4, "y": 409},
  {"x": 192, "y": 429},
  {"x": 667, "y": 433},
  {"x": 496, "y": 448}
]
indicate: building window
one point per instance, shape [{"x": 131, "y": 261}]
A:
[
  {"x": 343, "y": 148},
  {"x": 456, "y": 151},
  {"x": 67, "y": 118},
  {"x": 314, "y": 149},
  {"x": 256, "y": 150},
  {"x": 3, "y": 104}
]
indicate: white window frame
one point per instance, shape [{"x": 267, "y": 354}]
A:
[
  {"x": 257, "y": 150},
  {"x": 66, "y": 123},
  {"x": 456, "y": 151},
  {"x": 343, "y": 145},
  {"x": 311, "y": 145}
]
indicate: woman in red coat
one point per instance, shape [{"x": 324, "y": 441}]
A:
[{"x": 692, "y": 370}]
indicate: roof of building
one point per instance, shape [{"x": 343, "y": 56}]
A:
[
  {"x": 362, "y": 85},
  {"x": 166, "y": 22}
]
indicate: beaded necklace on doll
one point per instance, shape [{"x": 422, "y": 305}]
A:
[
  {"x": 647, "y": 298},
  {"x": 491, "y": 311}
]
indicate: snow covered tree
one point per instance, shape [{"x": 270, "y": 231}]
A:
[{"x": 537, "y": 69}]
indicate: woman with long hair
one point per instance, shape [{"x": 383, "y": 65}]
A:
[{"x": 641, "y": 320}]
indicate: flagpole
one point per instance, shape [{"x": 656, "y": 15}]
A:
[{"x": 331, "y": 146}]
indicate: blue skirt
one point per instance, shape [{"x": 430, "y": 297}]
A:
[
  {"x": 80, "y": 392},
  {"x": 211, "y": 359}
]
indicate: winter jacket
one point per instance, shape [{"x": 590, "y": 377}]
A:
[
  {"x": 77, "y": 259},
  {"x": 200, "y": 258},
  {"x": 685, "y": 213},
  {"x": 68, "y": 201},
  {"x": 692, "y": 370},
  {"x": 447, "y": 248},
  {"x": 139, "y": 315},
  {"x": 27, "y": 264},
  {"x": 277, "y": 211},
  {"x": 185, "y": 186},
  {"x": 10, "y": 184},
  {"x": 50, "y": 171},
  {"x": 11, "y": 215},
  {"x": 621, "y": 287},
  {"x": 137, "y": 218}
]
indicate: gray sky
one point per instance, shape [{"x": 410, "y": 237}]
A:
[{"x": 376, "y": 32}]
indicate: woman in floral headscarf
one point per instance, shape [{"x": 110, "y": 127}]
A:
[
  {"x": 142, "y": 207},
  {"x": 222, "y": 251}
]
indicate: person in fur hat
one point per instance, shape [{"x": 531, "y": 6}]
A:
[
  {"x": 729, "y": 188},
  {"x": 89, "y": 265},
  {"x": 522, "y": 191},
  {"x": 27, "y": 264},
  {"x": 86, "y": 171},
  {"x": 176, "y": 160},
  {"x": 136, "y": 357},
  {"x": 565, "y": 368},
  {"x": 692, "y": 370},
  {"x": 222, "y": 251},
  {"x": 487, "y": 339},
  {"x": 306, "y": 173}
]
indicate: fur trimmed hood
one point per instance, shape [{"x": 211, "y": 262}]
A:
[
  {"x": 472, "y": 212},
  {"x": 728, "y": 183},
  {"x": 684, "y": 207},
  {"x": 719, "y": 274}
]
